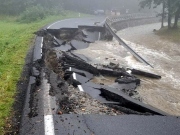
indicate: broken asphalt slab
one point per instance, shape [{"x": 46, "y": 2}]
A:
[
  {"x": 69, "y": 60},
  {"x": 92, "y": 124},
  {"x": 78, "y": 79},
  {"x": 114, "y": 95},
  {"x": 80, "y": 72},
  {"x": 79, "y": 44}
]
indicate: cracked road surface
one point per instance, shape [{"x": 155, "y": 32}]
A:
[{"x": 42, "y": 114}]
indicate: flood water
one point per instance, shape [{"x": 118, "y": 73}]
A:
[
  {"x": 106, "y": 80},
  {"x": 164, "y": 55}
]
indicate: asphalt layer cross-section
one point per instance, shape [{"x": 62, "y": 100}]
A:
[{"x": 49, "y": 123}]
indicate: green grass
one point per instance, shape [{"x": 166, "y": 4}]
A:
[
  {"x": 170, "y": 34},
  {"x": 15, "y": 41}
]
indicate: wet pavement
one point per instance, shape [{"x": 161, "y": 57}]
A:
[
  {"x": 116, "y": 125},
  {"x": 164, "y": 56},
  {"x": 67, "y": 23}
]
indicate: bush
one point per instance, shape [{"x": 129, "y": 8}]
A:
[
  {"x": 57, "y": 10},
  {"x": 32, "y": 14},
  {"x": 38, "y": 12}
]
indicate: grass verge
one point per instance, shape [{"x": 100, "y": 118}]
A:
[
  {"x": 15, "y": 41},
  {"x": 170, "y": 34}
]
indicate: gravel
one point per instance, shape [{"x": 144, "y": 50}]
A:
[{"x": 81, "y": 103}]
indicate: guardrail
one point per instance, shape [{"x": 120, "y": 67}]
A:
[
  {"x": 113, "y": 19},
  {"x": 110, "y": 20}
]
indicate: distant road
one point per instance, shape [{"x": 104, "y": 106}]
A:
[{"x": 74, "y": 22}]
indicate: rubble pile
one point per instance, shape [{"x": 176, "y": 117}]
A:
[{"x": 70, "y": 75}]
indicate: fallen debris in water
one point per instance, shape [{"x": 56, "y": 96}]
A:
[
  {"x": 145, "y": 74},
  {"x": 127, "y": 80},
  {"x": 71, "y": 76}
]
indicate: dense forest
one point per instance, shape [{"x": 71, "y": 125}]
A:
[
  {"x": 170, "y": 9},
  {"x": 15, "y": 7},
  {"x": 89, "y": 6}
]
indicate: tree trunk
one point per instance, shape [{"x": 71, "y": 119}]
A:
[
  {"x": 176, "y": 18},
  {"x": 163, "y": 15},
  {"x": 169, "y": 14}
]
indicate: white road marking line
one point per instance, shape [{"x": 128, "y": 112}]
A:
[
  {"x": 74, "y": 76},
  {"x": 48, "y": 117},
  {"x": 80, "y": 88},
  {"x": 49, "y": 125},
  {"x": 57, "y": 22},
  {"x": 42, "y": 42},
  {"x": 41, "y": 45},
  {"x": 129, "y": 71}
]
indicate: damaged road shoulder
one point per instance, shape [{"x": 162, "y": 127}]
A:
[{"x": 72, "y": 86}]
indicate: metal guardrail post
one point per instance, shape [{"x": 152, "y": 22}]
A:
[{"x": 108, "y": 24}]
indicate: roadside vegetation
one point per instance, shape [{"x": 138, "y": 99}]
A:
[
  {"x": 170, "y": 10},
  {"x": 169, "y": 34},
  {"x": 15, "y": 40},
  {"x": 19, "y": 19}
]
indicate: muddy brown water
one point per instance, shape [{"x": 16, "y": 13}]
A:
[
  {"x": 107, "y": 80},
  {"x": 164, "y": 55}
]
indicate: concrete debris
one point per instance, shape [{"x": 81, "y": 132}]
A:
[
  {"x": 80, "y": 72},
  {"x": 64, "y": 48},
  {"x": 83, "y": 103},
  {"x": 79, "y": 44},
  {"x": 145, "y": 74},
  {"x": 70, "y": 61},
  {"x": 58, "y": 41},
  {"x": 70, "y": 76},
  {"x": 127, "y": 79},
  {"x": 78, "y": 79},
  {"x": 81, "y": 57}
]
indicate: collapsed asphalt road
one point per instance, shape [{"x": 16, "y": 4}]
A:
[{"x": 62, "y": 97}]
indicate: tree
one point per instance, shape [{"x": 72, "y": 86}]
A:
[
  {"x": 155, "y": 3},
  {"x": 169, "y": 13},
  {"x": 15, "y": 7},
  {"x": 172, "y": 7},
  {"x": 163, "y": 14},
  {"x": 176, "y": 7},
  {"x": 173, "y": 11}
]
